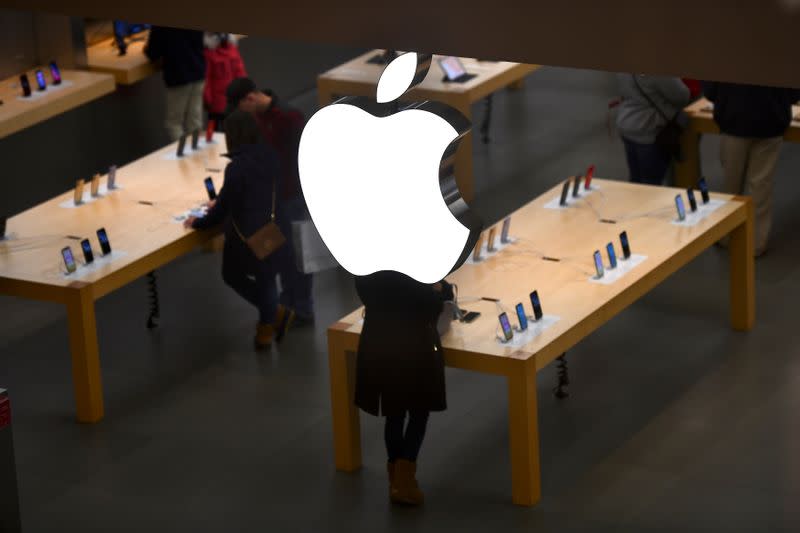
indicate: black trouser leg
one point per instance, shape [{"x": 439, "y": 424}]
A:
[
  {"x": 393, "y": 435},
  {"x": 414, "y": 435}
]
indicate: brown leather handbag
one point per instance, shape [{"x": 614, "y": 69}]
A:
[{"x": 267, "y": 239}]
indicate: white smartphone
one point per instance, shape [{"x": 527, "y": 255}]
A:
[{"x": 504, "y": 230}]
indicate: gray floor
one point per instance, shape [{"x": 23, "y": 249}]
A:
[{"x": 675, "y": 423}]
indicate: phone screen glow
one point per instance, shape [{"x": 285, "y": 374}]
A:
[
  {"x": 40, "y": 79},
  {"x": 523, "y": 319},
  {"x": 680, "y": 206},
  {"x": 598, "y": 264},
  {"x": 612, "y": 256},
  {"x": 506, "y": 325}
]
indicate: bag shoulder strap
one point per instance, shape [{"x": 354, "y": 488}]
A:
[
  {"x": 650, "y": 100},
  {"x": 271, "y": 216}
]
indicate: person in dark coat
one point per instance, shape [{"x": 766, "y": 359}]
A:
[
  {"x": 400, "y": 368},
  {"x": 244, "y": 204}
]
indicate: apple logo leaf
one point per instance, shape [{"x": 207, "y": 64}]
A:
[{"x": 397, "y": 77}]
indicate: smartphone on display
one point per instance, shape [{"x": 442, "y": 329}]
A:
[
  {"x": 598, "y": 264},
  {"x": 508, "y": 333},
  {"x": 470, "y": 316},
  {"x": 55, "y": 74},
  {"x": 111, "y": 182},
  {"x": 576, "y": 185},
  {"x": 504, "y": 230},
  {"x": 537, "y": 305},
  {"x": 703, "y": 190},
  {"x": 40, "y": 81},
  {"x": 77, "y": 195},
  {"x": 692, "y": 201},
  {"x": 212, "y": 192},
  {"x": 564, "y": 193},
  {"x": 88, "y": 255},
  {"x": 626, "y": 248},
  {"x": 95, "y": 185},
  {"x": 521, "y": 317},
  {"x": 612, "y": 255},
  {"x": 490, "y": 240},
  {"x": 212, "y": 125},
  {"x": 102, "y": 237},
  {"x": 680, "y": 207},
  {"x": 195, "y": 139},
  {"x": 587, "y": 184},
  {"x": 476, "y": 253},
  {"x": 181, "y": 146},
  {"x": 69, "y": 260},
  {"x": 25, "y": 84}
]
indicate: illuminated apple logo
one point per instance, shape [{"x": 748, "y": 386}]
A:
[{"x": 379, "y": 181}]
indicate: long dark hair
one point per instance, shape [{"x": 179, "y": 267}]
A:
[{"x": 241, "y": 128}]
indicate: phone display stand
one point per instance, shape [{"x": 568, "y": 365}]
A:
[
  {"x": 197, "y": 212},
  {"x": 38, "y": 95},
  {"x": 623, "y": 267},
  {"x": 99, "y": 262},
  {"x": 87, "y": 199},
  {"x": 572, "y": 201},
  {"x": 464, "y": 78},
  {"x": 486, "y": 254},
  {"x": 535, "y": 328},
  {"x": 171, "y": 155},
  {"x": 703, "y": 211}
]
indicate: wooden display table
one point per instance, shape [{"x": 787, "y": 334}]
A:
[
  {"x": 143, "y": 238},
  {"x": 570, "y": 234},
  {"x": 701, "y": 120},
  {"x": 127, "y": 69},
  {"x": 77, "y": 88},
  {"x": 358, "y": 77}
]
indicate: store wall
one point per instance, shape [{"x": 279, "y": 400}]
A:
[
  {"x": 46, "y": 159},
  {"x": 17, "y": 41}
]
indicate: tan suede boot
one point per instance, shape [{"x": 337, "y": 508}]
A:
[
  {"x": 263, "y": 338},
  {"x": 405, "y": 489}
]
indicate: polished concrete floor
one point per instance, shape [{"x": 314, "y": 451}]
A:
[{"x": 674, "y": 423}]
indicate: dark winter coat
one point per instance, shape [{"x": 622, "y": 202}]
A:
[
  {"x": 400, "y": 365},
  {"x": 182, "y": 53},
  {"x": 751, "y": 110}
]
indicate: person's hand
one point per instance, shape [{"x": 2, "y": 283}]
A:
[
  {"x": 188, "y": 222},
  {"x": 211, "y": 203}
]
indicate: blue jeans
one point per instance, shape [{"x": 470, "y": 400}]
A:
[
  {"x": 295, "y": 285},
  {"x": 647, "y": 163},
  {"x": 406, "y": 444}
]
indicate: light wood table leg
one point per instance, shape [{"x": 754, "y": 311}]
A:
[
  {"x": 517, "y": 85},
  {"x": 524, "y": 434},
  {"x": 324, "y": 94},
  {"x": 346, "y": 421},
  {"x": 86, "y": 378},
  {"x": 687, "y": 171},
  {"x": 742, "y": 272}
]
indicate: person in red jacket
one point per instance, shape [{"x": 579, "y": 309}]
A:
[{"x": 223, "y": 65}]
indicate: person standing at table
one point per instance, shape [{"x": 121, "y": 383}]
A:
[
  {"x": 223, "y": 65},
  {"x": 752, "y": 120},
  {"x": 244, "y": 205},
  {"x": 181, "y": 52},
  {"x": 400, "y": 368},
  {"x": 648, "y": 104},
  {"x": 281, "y": 127}
]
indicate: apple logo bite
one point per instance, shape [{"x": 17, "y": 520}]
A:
[{"x": 379, "y": 182}]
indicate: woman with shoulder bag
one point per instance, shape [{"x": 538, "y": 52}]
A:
[
  {"x": 650, "y": 120},
  {"x": 400, "y": 368},
  {"x": 246, "y": 205}
]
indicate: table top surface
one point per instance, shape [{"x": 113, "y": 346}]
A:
[
  {"x": 77, "y": 88},
  {"x": 32, "y": 249},
  {"x": 129, "y": 68},
  {"x": 358, "y": 70},
  {"x": 572, "y": 235}
]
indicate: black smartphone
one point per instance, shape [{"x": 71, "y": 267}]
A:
[
  {"x": 576, "y": 185},
  {"x": 55, "y": 74},
  {"x": 703, "y": 190},
  {"x": 88, "y": 255},
  {"x": 102, "y": 237},
  {"x": 195, "y": 139},
  {"x": 521, "y": 317},
  {"x": 692, "y": 201},
  {"x": 626, "y": 248},
  {"x": 508, "y": 333},
  {"x": 26, "y": 85},
  {"x": 470, "y": 316},
  {"x": 181, "y": 146},
  {"x": 598, "y": 264},
  {"x": 212, "y": 192},
  {"x": 69, "y": 260},
  {"x": 537, "y": 305},
  {"x": 612, "y": 255},
  {"x": 40, "y": 81},
  {"x": 680, "y": 207},
  {"x": 564, "y": 193}
]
